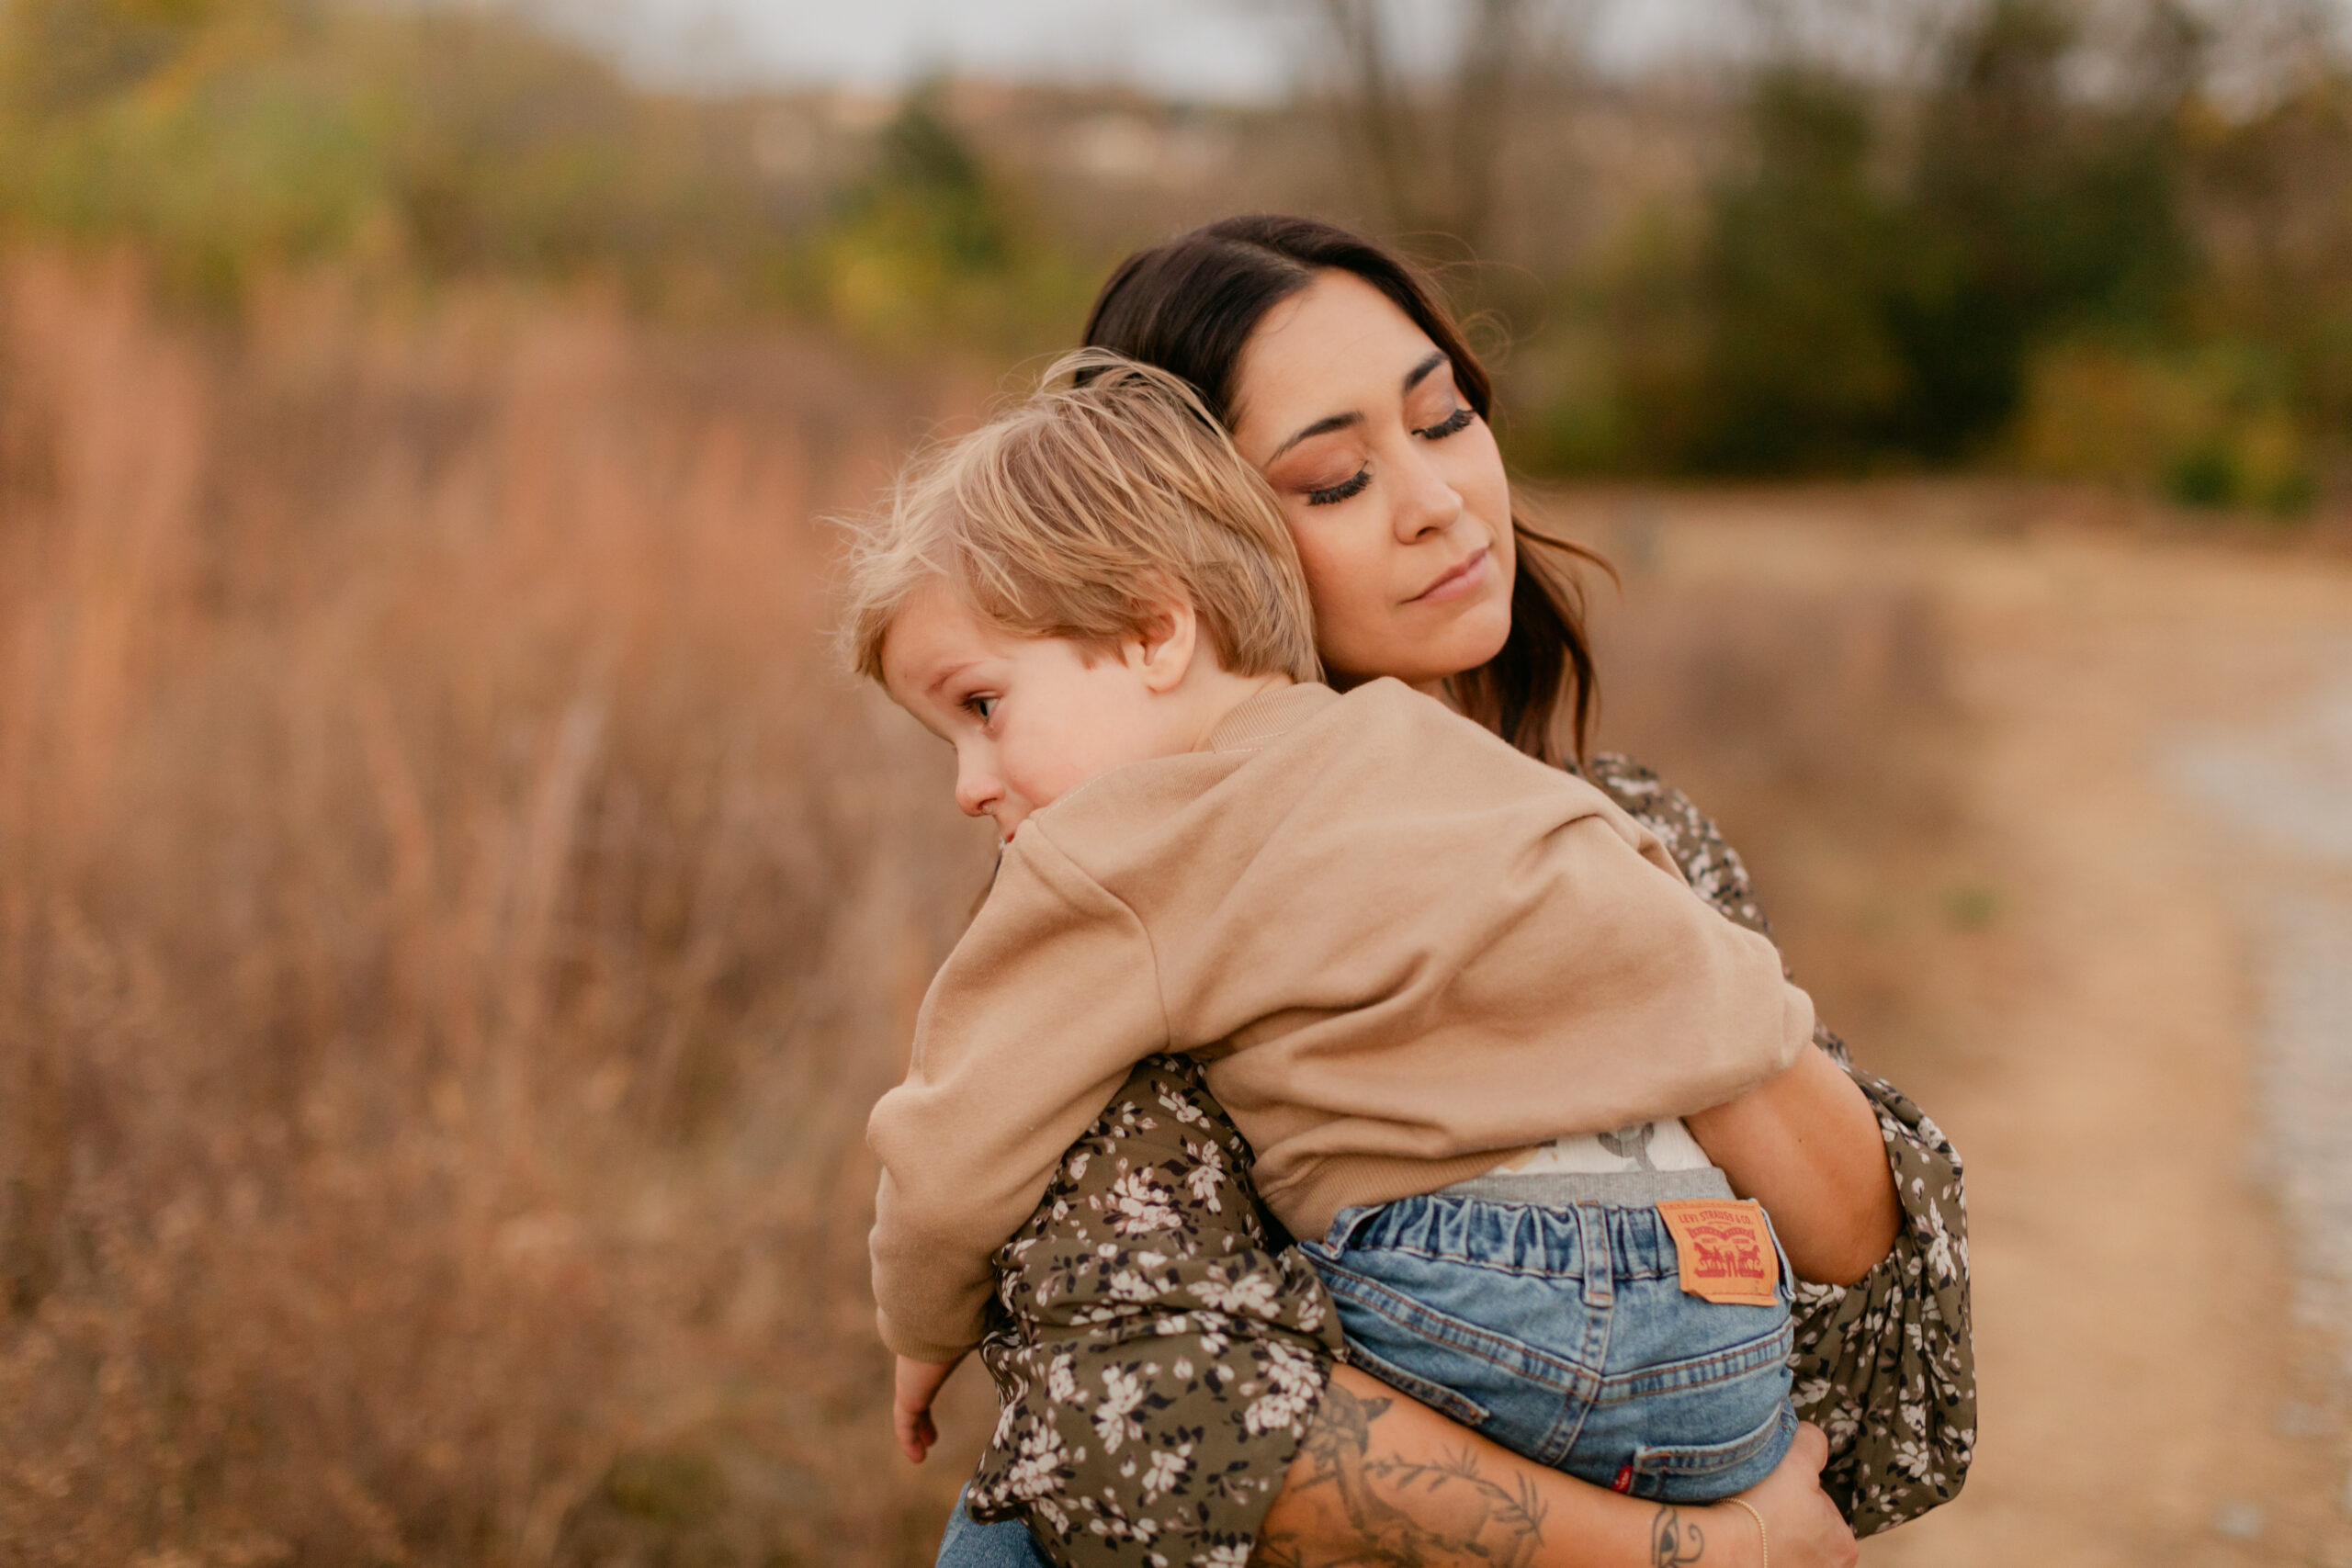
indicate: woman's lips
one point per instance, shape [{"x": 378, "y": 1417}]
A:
[{"x": 1460, "y": 579}]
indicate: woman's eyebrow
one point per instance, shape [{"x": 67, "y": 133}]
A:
[
  {"x": 1320, "y": 427},
  {"x": 1324, "y": 426}
]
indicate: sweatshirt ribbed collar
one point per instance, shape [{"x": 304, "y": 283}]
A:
[{"x": 1268, "y": 713}]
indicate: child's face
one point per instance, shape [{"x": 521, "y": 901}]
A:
[{"x": 1031, "y": 718}]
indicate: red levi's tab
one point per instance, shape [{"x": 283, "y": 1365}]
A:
[{"x": 1725, "y": 1249}]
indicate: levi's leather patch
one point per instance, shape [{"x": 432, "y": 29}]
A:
[{"x": 1724, "y": 1248}]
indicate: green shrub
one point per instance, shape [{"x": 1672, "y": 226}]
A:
[{"x": 2214, "y": 428}]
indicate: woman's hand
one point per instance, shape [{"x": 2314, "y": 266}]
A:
[
  {"x": 917, "y": 1385},
  {"x": 1801, "y": 1525}
]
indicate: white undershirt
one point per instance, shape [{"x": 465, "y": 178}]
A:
[{"x": 1649, "y": 1146}]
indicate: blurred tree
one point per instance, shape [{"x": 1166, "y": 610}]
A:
[
  {"x": 2018, "y": 231},
  {"x": 506, "y": 150},
  {"x": 232, "y": 137},
  {"x": 1862, "y": 305},
  {"x": 928, "y": 190},
  {"x": 58, "y": 54},
  {"x": 2037, "y": 211},
  {"x": 1429, "y": 145},
  {"x": 928, "y": 244},
  {"x": 2271, "y": 196},
  {"x": 1803, "y": 367}
]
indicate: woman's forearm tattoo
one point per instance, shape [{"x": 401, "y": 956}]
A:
[
  {"x": 1403, "y": 1513},
  {"x": 1387, "y": 1511},
  {"x": 1675, "y": 1540}
]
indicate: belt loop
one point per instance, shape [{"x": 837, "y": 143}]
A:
[
  {"x": 1342, "y": 1233},
  {"x": 1600, "y": 1259}
]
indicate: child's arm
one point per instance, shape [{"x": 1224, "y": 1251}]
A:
[
  {"x": 1806, "y": 1146},
  {"x": 918, "y": 1384},
  {"x": 1032, "y": 1025}
]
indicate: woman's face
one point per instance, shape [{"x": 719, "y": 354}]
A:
[{"x": 1392, "y": 486}]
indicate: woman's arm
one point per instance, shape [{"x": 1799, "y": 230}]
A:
[
  {"x": 1381, "y": 1479},
  {"x": 1806, "y": 1145},
  {"x": 1171, "y": 1395},
  {"x": 1885, "y": 1365},
  {"x": 1003, "y": 1078},
  {"x": 1159, "y": 1356}
]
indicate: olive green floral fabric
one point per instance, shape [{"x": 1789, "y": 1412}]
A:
[
  {"x": 1162, "y": 1354},
  {"x": 1160, "y": 1350}
]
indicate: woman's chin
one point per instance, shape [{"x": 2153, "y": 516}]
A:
[
  {"x": 1423, "y": 644},
  {"x": 1475, "y": 636},
  {"x": 1429, "y": 660}
]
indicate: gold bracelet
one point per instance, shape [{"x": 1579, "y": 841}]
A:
[{"x": 1763, "y": 1537}]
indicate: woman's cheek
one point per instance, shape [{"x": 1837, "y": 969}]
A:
[{"x": 1349, "y": 608}]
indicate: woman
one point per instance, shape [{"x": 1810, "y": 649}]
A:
[{"x": 1167, "y": 1368}]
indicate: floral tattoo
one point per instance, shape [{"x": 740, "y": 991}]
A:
[{"x": 1404, "y": 1514}]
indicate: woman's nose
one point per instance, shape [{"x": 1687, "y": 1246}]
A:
[{"x": 1426, "y": 502}]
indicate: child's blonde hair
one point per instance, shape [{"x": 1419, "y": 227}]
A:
[{"x": 1078, "y": 514}]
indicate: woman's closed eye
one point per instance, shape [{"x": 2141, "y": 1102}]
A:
[
  {"x": 1327, "y": 495},
  {"x": 1458, "y": 419},
  {"x": 1352, "y": 485}
]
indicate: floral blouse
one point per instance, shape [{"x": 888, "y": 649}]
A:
[{"x": 1160, "y": 1350}]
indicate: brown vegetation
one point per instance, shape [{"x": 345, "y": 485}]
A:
[{"x": 451, "y": 922}]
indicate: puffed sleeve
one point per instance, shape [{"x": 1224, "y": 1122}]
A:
[
  {"x": 1039, "y": 1013},
  {"x": 1158, "y": 1353}
]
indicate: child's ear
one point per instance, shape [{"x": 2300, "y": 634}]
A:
[{"x": 1163, "y": 652}]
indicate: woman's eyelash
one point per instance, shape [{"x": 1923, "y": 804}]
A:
[
  {"x": 1340, "y": 491},
  {"x": 1329, "y": 494}
]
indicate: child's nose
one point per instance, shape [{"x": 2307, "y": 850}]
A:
[{"x": 976, "y": 791}]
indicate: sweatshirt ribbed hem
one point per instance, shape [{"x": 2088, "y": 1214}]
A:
[
  {"x": 1310, "y": 1202},
  {"x": 917, "y": 1349},
  {"x": 1272, "y": 712}
]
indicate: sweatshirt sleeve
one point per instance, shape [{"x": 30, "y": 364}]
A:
[
  {"x": 1404, "y": 948},
  {"x": 1678, "y": 1008},
  {"x": 1029, "y": 1029}
]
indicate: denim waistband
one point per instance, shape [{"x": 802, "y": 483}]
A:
[
  {"x": 1557, "y": 1188},
  {"x": 1578, "y": 1240}
]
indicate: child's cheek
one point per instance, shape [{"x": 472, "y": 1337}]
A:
[
  {"x": 1035, "y": 771},
  {"x": 1062, "y": 767}
]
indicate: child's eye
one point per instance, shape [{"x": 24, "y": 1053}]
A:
[
  {"x": 982, "y": 707},
  {"x": 1340, "y": 491},
  {"x": 1458, "y": 419}
]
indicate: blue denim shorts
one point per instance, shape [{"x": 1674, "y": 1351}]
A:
[{"x": 1562, "y": 1331}]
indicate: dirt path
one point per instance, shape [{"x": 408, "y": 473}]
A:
[
  {"x": 2140, "y": 1366},
  {"x": 2150, "y": 1393}
]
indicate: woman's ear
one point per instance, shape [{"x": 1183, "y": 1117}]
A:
[{"x": 1163, "y": 650}]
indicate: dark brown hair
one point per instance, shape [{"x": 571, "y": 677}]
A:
[{"x": 1189, "y": 306}]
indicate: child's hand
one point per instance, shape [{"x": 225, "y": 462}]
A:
[{"x": 918, "y": 1384}]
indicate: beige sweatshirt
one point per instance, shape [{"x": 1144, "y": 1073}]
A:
[{"x": 1405, "y": 952}]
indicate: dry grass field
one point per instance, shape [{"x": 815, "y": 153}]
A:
[
  {"x": 453, "y": 919},
  {"x": 451, "y": 924}
]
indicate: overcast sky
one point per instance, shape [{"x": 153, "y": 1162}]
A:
[{"x": 1202, "y": 48}]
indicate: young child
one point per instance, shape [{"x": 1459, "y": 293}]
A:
[{"x": 1425, "y": 973}]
